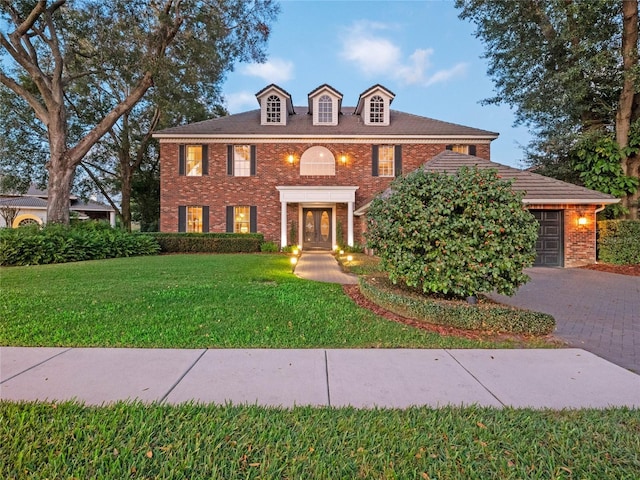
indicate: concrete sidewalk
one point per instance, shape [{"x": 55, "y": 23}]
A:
[
  {"x": 566, "y": 378},
  {"x": 322, "y": 267}
]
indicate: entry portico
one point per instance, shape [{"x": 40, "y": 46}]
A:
[{"x": 316, "y": 203}]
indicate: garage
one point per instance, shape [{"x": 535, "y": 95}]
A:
[{"x": 550, "y": 238}]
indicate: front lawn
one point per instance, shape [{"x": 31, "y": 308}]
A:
[
  {"x": 193, "y": 301},
  {"x": 43, "y": 440}
]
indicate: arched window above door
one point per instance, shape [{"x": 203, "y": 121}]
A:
[{"x": 317, "y": 161}]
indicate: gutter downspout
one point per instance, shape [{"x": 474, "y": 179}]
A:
[{"x": 595, "y": 215}]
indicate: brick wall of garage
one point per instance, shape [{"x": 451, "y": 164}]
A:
[
  {"x": 579, "y": 240},
  {"x": 218, "y": 190}
]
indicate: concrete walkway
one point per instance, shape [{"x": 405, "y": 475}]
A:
[
  {"x": 322, "y": 267},
  {"x": 597, "y": 311},
  {"x": 566, "y": 378}
]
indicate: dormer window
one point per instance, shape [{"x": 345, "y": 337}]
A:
[
  {"x": 374, "y": 106},
  {"x": 275, "y": 105},
  {"x": 274, "y": 109},
  {"x": 376, "y": 109},
  {"x": 325, "y": 109}
]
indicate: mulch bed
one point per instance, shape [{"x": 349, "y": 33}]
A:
[
  {"x": 633, "y": 270},
  {"x": 353, "y": 291}
]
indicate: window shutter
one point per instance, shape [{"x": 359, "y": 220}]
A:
[
  {"x": 229, "y": 219},
  {"x": 253, "y": 219},
  {"x": 230, "y": 160},
  {"x": 182, "y": 218},
  {"x": 181, "y": 167},
  {"x": 205, "y": 159},
  {"x": 205, "y": 218},
  {"x": 253, "y": 160},
  {"x": 472, "y": 149},
  {"x": 374, "y": 160},
  {"x": 449, "y": 147},
  {"x": 397, "y": 158}
]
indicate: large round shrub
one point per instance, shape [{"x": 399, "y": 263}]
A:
[{"x": 456, "y": 235}]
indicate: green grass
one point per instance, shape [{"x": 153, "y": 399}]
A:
[
  {"x": 193, "y": 301},
  {"x": 39, "y": 440}
]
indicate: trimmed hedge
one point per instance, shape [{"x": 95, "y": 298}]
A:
[
  {"x": 208, "y": 242},
  {"x": 62, "y": 244},
  {"x": 482, "y": 317},
  {"x": 619, "y": 241}
]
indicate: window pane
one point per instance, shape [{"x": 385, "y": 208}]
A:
[
  {"x": 385, "y": 160},
  {"x": 317, "y": 161},
  {"x": 273, "y": 109},
  {"x": 242, "y": 160},
  {"x": 325, "y": 109},
  {"x": 461, "y": 149},
  {"x": 376, "y": 111},
  {"x": 242, "y": 217},
  {"x": 194, "y": 160},
  {"x": 194, "y": 219}
]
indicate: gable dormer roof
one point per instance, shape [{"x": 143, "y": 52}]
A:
[
  {"x": 325, "y": 88},
  {"x": 374, "y": 106},
  {"x": 377, "y": 88},
  {"x": 273, "y": 88}
]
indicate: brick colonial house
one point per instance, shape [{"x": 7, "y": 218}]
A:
[{"x": 305, "y": 174}]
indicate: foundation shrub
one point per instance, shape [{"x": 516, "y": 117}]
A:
[
  {"x": 208, "y": 242},
  {"x": 454, "y": 234},
  {"x": 619, "y": 241},
  {"x": 484, "y": 316},
  {"x": 61, "y": 244}
]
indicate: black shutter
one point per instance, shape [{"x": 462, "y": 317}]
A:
[
  {"x": 205, "y": 218},
  {"x": 230, "y": 219},
  {"x": 253, "y": 219},
  {"x": 181, "y": 167},
  {"x": 449, "y": 147},
  {"x": 397, "y": 158},
  {"x": 229, "y": 159},
  {"x": 374, "y": 160},
  {"x": 182, "y": 218},
  {"x": 205, "y": 159},
  {"x": 253, "y": 160},
  {"x": 472, "y": 149}
]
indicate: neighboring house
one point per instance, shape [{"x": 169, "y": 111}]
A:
[
  {"x": 31, "y": 208},
  {"x": 305, "y": 174}
]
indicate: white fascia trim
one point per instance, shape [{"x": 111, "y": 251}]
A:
[
  {"x": 253, "y": 139},
  {"x": 305, "y": 194},
  {"x": 569, "y": 201}
]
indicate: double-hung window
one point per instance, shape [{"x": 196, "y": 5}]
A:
[
  {"x": 385, "y": 160},
  {"x": 241, "y": 160},
  {"x": 193, "y": 161}
]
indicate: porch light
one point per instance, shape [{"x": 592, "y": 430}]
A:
[
  {"x": 343, "y": 159},
  {"x": 290, "y": 159},
  {"x": 582, "y": 220}
]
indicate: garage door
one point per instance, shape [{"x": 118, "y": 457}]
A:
[{"x": 550, "y": 238}]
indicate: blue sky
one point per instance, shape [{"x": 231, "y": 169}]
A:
[{"x": 420, "y": 50}]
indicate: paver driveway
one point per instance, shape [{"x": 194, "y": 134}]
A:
[{"x": 597, "y": 311}]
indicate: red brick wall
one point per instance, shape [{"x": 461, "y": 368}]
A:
[
  {"x": 579, "y": 240},
  {"x": 217, "y": 190}
]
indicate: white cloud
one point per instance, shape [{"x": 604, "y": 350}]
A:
[
  {"x": 275, "y": 70},
  {"x": 240, "y": 101},
  {"x": 376, "y": 56}
]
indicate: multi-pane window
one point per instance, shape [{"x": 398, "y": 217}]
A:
[
  {"x": 385, "y": 160},
  {"x": 241, "y": 219},
  {"x": 460, "y": 149},
  {"x": 242, "y": 160},
  {"x": 376, "y": 109},
  {"x": 194, "y": 160},
  {"x": 194, "y": 219},
  {"x": 325, "y": 109},
  {"x": 317, "y": 161},
  {"x": 273, "y": 109}
]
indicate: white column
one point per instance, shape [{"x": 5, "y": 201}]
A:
[
  {"x": 350, "y": 224},
  {"x": 283, "y": 224},
  {"x": 112, "y": 219}
]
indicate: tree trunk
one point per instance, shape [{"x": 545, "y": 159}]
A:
[
  {"x": 125, "y": 203},
  {"x": 60, "y": 180},
  {"x": 625, "y": 102}
]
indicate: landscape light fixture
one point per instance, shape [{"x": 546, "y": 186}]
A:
[{"x": 294, "y": 261}]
